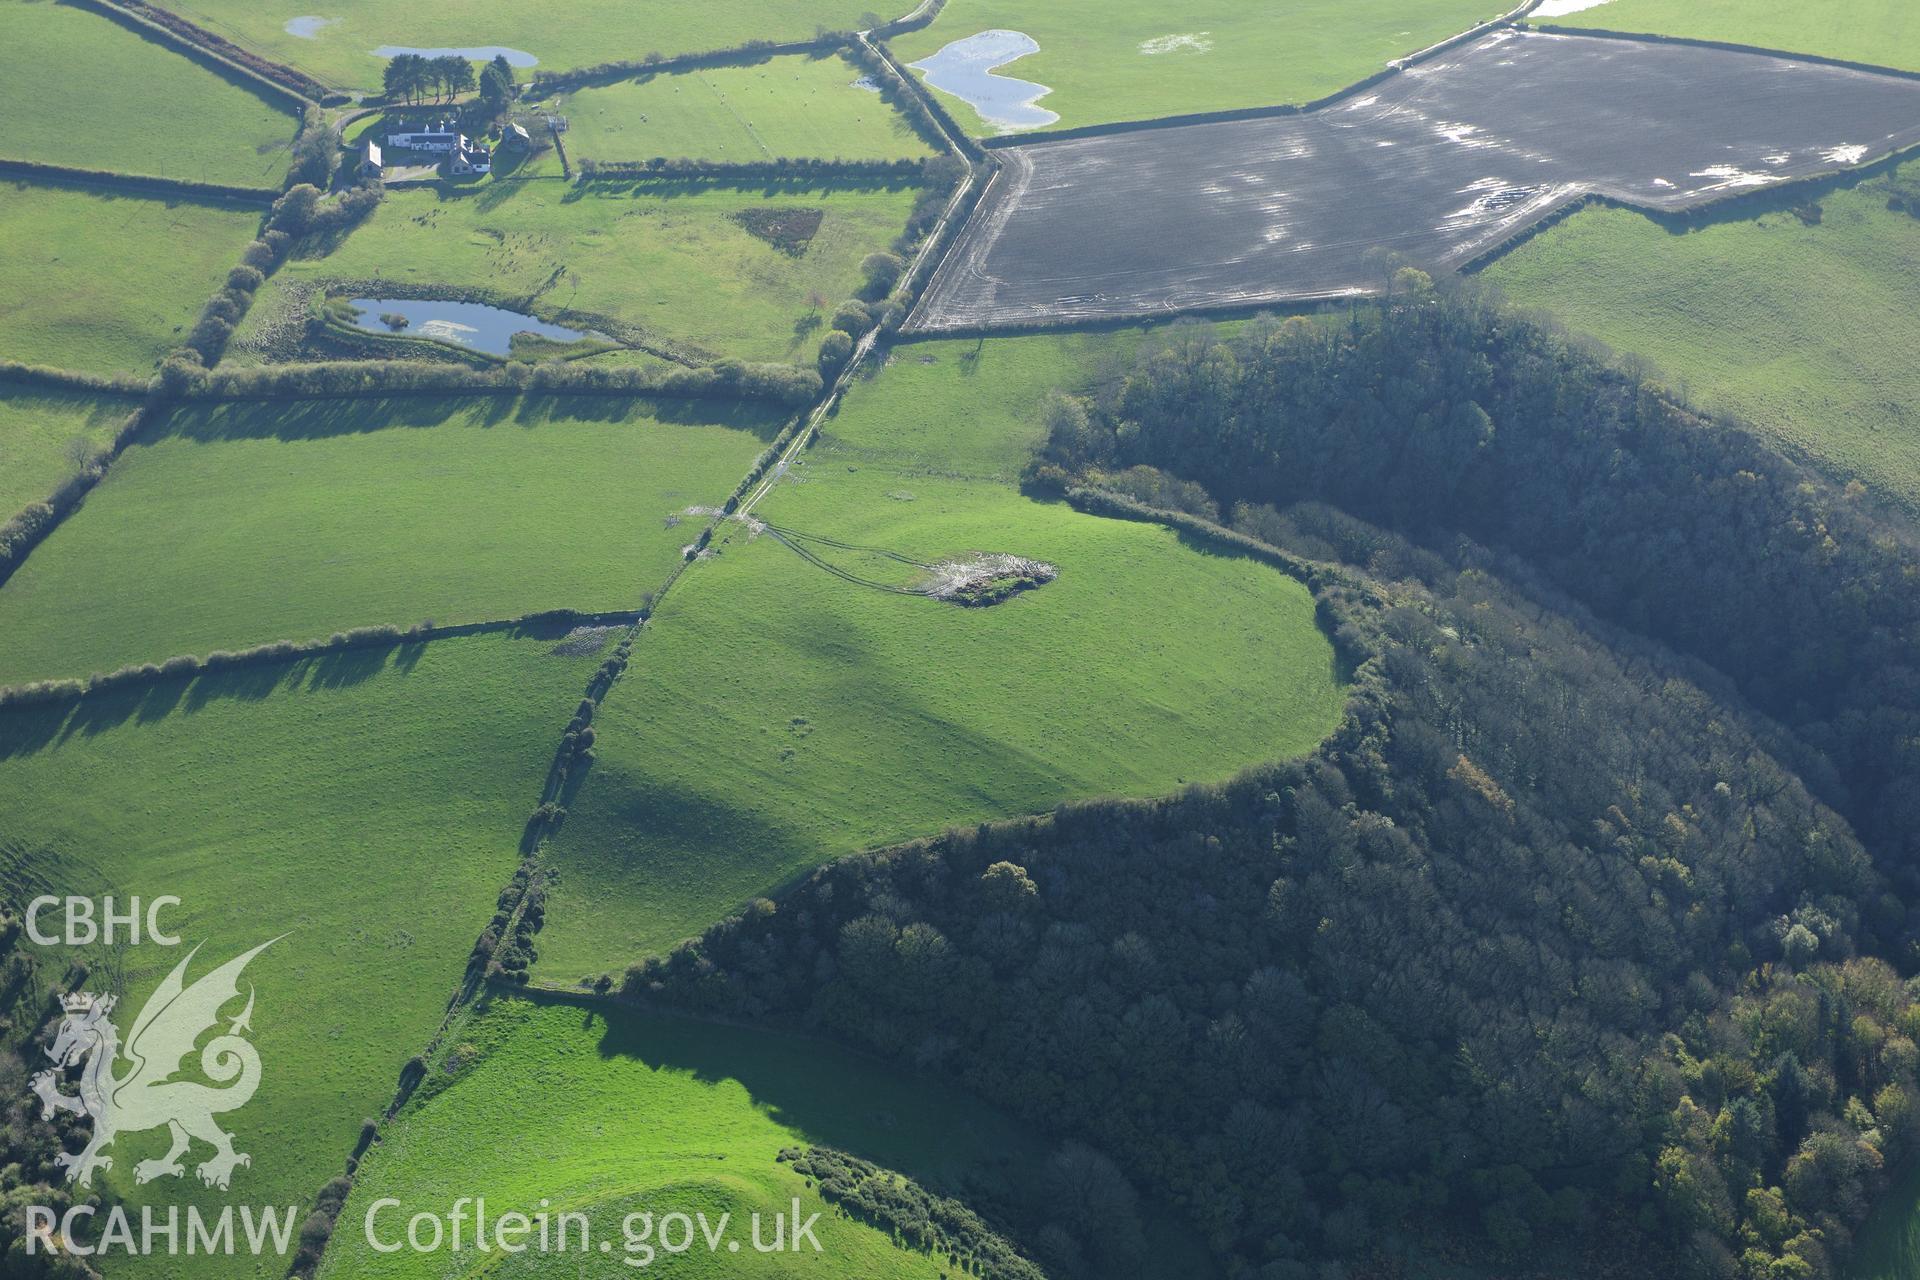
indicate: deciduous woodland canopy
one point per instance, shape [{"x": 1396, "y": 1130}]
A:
[
  {"x": 1573, "y": 946},
  {"x": 1552, "y": 929}
]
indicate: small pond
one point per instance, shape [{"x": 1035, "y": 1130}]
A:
[
  {"x": 965, "y": 70},
  {"x": 471, "y": 324},
  {"x": 308, "y": 28},
  {"x": 472, "y": 53}
]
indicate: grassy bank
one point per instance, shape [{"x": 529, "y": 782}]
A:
[
  {"x": 361, "y": 512},
  {"x": 367, "y": 806},
  {"x": 583, "y": 33},
  {"x": 108, "y": 283},
  {"x": 47, "y": 435},
  {"x": 1805, "y": 329},
  {"x": 84, "y": 91},
  {"x": 637, "y": 1113},
  {"x": 795, "y": 106},
  {"x": 776, "y": 716},
  {"x": 1881, "y": 32},
  {"x": 1133, "y": 60}
]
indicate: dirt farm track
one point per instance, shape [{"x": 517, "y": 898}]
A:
[{"x": 1434, "y": 166}]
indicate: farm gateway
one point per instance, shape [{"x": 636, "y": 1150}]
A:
[{"x": 261, "y": 1231}]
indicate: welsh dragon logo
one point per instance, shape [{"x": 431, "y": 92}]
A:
[{"x": 144, "y": 1095}]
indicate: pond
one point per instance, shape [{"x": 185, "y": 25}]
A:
[
  {"x": 965, "y": 69},
  {"x": 470, "y": 324},
  {"x": 472, "y": 53}
]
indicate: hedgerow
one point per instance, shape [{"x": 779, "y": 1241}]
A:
[{"x": 726, "y": 379}]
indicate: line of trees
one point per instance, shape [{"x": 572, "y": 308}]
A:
[
  {"x": 413, "y": 77},
  {"x": 1555, "y": 950},
  {"x": 28, "y": 1143},
  {"x": 725, "y": 379},
  {"x": 547, "y": 81},
  {"x": 281, "y": 79},
  {"x": 1444, "y": 415},
  {"x": 1422, "y": 987}
]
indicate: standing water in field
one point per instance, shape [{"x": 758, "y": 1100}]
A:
[
  {"x": 471, "y": 324},
  {"x": 472, "y": 53},
  {"x": 965, "y": 69},
  {"x": 308, "y": 28}
]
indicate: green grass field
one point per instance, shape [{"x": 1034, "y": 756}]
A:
[
  {"x": 792, "y": 106},
  {"x": 108, "y": 283},
  {"x": 581, "y": 33},
  {"x": 670, "y": 258},
  {"x": 358, "y": 512},
  {"x": 1109, "y": 60},
  {"x": 554, "y": 1106},
  {"x": 80, "y": 89},
  {"x": 1883, "y": 33},
  {"x": 1806, "y": 331},
  {"x": 776, "y": 717},
  {"x": 1888, "y": 1244},
  {"x": 47, "y": 435},
  {"x": 366, "y": 805}
]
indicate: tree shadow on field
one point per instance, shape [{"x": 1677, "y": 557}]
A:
[
  {"x": 313, "y": 419},
  {"x": 30, "y": 729},
  {"x": 345, "y": 668},
  {"x": 26, "y": 730},
  {"x": 877, "y": 1110},
  {"x": 492, "y": 195},
  {"x": 322, "y": 419},
  {"x": 1341, "y": 664},
  {"x": 407, "y": 656}
]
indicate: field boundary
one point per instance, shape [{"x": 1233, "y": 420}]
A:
[
  {"x": 27, "y": 528},
  {"x": 1725, "y": 46},
  {"x": 722, "y": 173},
  {"x": 1715, "y": 208},
  {"x": 962, "y": 142},
  {"x": 289, "y": 87},
  {"x": 1732, "y": 206},
  {"x": 384, "y": 636},
  {"x": 1001, "y": 142},
  {"x": 40, "y": 375},
  {"x": 922, "y": 15},
  {"x": 141, "y": 184},
  {"x": 748, "y": 54},
  {"x": 395, "y": 378}
]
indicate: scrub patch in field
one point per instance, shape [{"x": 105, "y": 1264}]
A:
[{"x": 788, "y": 230}]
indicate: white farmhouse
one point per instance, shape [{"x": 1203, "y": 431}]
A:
[{"x": 441, "y": 137}]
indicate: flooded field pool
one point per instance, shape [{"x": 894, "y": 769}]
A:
[
  {"x": 965, "y": 69},
  {"x": 1434, "y": 166},
  {"x": 470, "y": 324}
]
